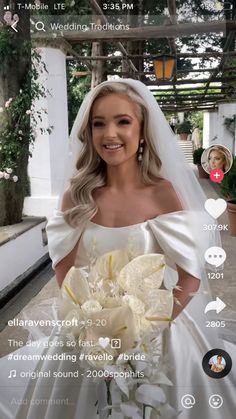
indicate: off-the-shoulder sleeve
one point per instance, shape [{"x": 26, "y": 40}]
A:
[
  {"x": 62, "y": 238},
  {"x": 174, "y": 234}
]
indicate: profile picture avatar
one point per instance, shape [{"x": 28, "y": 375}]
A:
[
  {"x": 216, "y": 157},
  {"x": 217, "y": 363}
]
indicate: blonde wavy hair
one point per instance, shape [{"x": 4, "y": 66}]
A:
[{"x": 91, "y": 168}]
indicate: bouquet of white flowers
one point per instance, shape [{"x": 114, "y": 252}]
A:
[{"x": 114, "y": 314}]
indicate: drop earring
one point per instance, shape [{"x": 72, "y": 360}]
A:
[{"x": 140, "y": 150}]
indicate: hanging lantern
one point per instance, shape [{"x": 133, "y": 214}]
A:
[{"x": 164, "y": 67}]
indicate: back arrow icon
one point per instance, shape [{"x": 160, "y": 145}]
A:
[
  {"x": 13, "y": 26},
  {"x": 218, "y": 305}
]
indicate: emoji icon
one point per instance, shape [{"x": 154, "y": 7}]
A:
[{"x": 215, "y": 401}]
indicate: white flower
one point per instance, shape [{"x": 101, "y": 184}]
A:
[
  {"x": 6, "y": 175},
  {"x": 90, "y": 307},
  {"x": 20, "y": 91},
  {"x": 39, "y": 50},
  {"x": 8, "y": 102},
  {"x": 15, "y": 178},
  {"x": 20, "y": 132},
  {"x": 8, "y": 18},
  {"x": 74, "y": 324},
  {"x": 1, "y": 110},
  {"x": 107, "y": 267},
  {"x": 97, "y": 356},
  {"x": 28, "y": 112},
  {"x": 136, "y": 305},
  {"x": 9, "y": 171},
  {"x": 1, "y": 175},
  {"x": 20, "y": 138}
]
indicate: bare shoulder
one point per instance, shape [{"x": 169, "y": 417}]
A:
[
  {"x": 67, "y": 202},
  {"x": 166, "y": 196}
]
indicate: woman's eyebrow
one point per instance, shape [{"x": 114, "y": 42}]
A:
[{"x": 116, "y": 116}]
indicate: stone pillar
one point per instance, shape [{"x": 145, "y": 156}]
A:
[
  {"x": 46, "y": 167},
  {"x": 225, "y": 137},
  {"x": 210, "y": 129}
]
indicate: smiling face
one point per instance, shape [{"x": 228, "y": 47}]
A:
[
  {"x": 116, "y": 128},
  {"x": 216, "y": 160}
]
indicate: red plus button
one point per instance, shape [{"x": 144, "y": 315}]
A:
[{"x": 216, "y": 175}]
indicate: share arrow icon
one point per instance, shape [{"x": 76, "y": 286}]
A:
[{"x": 218, "y": 305}]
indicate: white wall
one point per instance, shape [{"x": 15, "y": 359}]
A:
[
  {"x": 226, "y": 110},
  {"x": 214, "y": 130},
  {"x": 210, "y": 128}
]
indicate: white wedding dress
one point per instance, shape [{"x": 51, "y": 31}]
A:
[{"x": 185, "y": 342}]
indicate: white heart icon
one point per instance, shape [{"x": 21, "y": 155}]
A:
[
  {"x": 215, "y": 207},
  {"x": 104, "y": 342}
]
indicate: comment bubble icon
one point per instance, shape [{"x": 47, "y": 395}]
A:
[{"x": 215, "y": 256}]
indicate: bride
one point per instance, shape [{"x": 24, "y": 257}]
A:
[{"x": 132, "y": 189}]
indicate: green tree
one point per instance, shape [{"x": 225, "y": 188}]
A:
[
  {"x": 19, "y": 89},
  {"x": 14, "y": 68}
]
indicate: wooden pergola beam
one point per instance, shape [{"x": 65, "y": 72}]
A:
[
  {"x": 212, "y": 54},
  {"x": 174, "y": 110},
  {"x": 180, "y": 108},
  {"x": 120, "y": 46},
  {"x": 194, "y": 81},
  {"x": 144, "y": 33},
  {"x": 187, "y": 89},
  {"x": 199, "y": 70},
  {"x": 211, "y": 94},
  {"x": 182, "y": 100},
  {"x": 220, "y": 67},
  {"x": 171, "y": 4},
  {"x": 70, "y": 49},
  {"x": 152, "y": 73},
  {"x": 203, "y": 70},
  {"x": 177, "y": 101}
]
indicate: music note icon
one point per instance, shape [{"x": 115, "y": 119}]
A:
[{"x": 12, "y": 374}]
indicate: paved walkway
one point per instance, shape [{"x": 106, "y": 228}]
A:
[{"x": 31, "y": 296}]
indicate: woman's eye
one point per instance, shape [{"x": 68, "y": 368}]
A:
[
  {"x": 97, "y": 124},
  {"x": 124, "y": 121}
]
